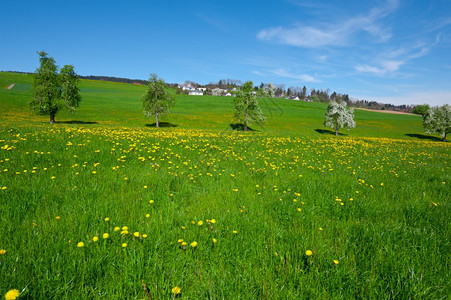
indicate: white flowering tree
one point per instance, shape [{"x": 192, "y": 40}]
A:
[
  {"x": 438, "y": 120},
  {"x": 270, "y": 90},
  {"x": 338, "y": 116},
  {"x": 247, "y": 110}
]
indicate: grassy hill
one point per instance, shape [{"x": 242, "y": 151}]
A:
[
  {"x": 119, "y": 104},
  {"x": 100, "y": 205}
]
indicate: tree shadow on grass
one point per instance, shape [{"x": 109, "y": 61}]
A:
[
  {"x": 240, "y": 127},
  {"x": 162, "y": 124},
  {"x": 424, "y": 137},
  {"x": 327, "y": 131},
  {"x": 76, "y": 122}
]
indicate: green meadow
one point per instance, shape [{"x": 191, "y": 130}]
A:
[{"x": 104, "y": 205}]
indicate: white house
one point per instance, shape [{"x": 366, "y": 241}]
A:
[{"x": 196, "y": 92}]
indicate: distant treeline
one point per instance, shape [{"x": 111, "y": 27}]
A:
[{"x": 115, "y": 79}]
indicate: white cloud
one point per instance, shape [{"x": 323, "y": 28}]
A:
[
  {"x": 303, "y": 77},
  {"x": 258, "y": 73},
  {"x": 386, "y": 67},
  {"x": 336, "y": 34}
]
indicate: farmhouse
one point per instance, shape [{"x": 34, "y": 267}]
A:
[{"x": 196, "y": 92}]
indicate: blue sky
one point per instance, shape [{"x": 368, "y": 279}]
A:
[{"x": 391, "y": 51}]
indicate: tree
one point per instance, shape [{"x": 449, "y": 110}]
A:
[
  {"x": 157, "y": 101},
  {"x": 247, "y": 110},
  {"x": 270, "y": 90},
  {"x": 421, "y": 109},
  {"x": 338, "y": 116},
  {"x": 52, "y": 91},
  {"x": 438, "y": 120}
]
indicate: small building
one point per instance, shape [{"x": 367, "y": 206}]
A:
[{"x": 196, "y": 93}]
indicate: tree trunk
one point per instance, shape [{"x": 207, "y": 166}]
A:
[
  {"x": 444, "y": 138},
  {"x": 52, "y": 118},
  {"x": 245, "y": 118},
  {"x": 336, "y": 132},
  {"x": 157, "y": 122}
]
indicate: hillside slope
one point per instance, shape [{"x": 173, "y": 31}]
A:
[{"x": 119, "y": 104}]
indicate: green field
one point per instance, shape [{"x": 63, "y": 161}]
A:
[{"x": 287, "y": 211}]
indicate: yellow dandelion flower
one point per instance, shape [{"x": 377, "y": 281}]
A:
[
  {"x": 117, "y": 228},
  {"x": 184, "y": 244},
  {"x": 320, "y": 229},
  {"x": 183, "y": 227},
  {"x": 105, "y": 235},
  {"x": 147, "y": 215},
  {"x": 308, "y": 252},
  {"x": 124, "y": 245},
  {"x": 80, "y": 244},
  {"x": 145, "y": 186},
  {"x": 215, "y": 241},
  {"x": 200, "y": 223},
  {"x": 336, "y": 261},
  {"x": 124, "y": 232},
  {"x": 2, "y": 251},
  {"x": 12, "y": 294},
  {"x": 179, "y": 241},
  {"x": 299, "y": 209},
  {"x": 144, "y": 236},
  {"x": 124, "y": 228},
  {"x": 212, "y": 221},
  {"x": 57, "y": 217},
  {"x": 136, "y": 234},
  {"x": 107, "y": 219},
  {"x": 95, "y": 239},
  {"x": 194, "y": 244},
  {"x": 151, "y": 201},
  {"x": 176, "y": 290},
  {"x": 235, "y": 232}
]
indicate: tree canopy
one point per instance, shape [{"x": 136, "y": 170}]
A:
[
  {"x": 438, "y": 120},
  {"x": 158, "y": 100},
  {"x": 338, "y": 116},
  {"x": 421, "y": 109},
  {"x": 52, "y": 90}
]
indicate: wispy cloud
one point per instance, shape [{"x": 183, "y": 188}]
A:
[
  {"x": 215, "y": 22},
  {"x": 285, "y": 74},
  {"x": 282, "y": 73},
  {"x": 390, "y": 62},
  {"x": 336, "y": 34},
  {"x": 385, "y": 67}
]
